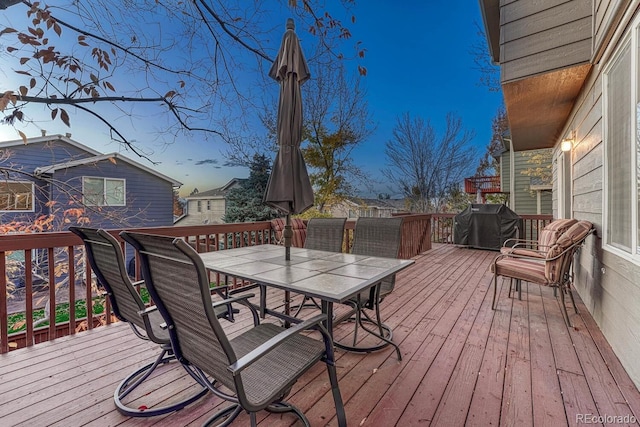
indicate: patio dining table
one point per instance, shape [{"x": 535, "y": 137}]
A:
[{"x": 328, "y": 276}]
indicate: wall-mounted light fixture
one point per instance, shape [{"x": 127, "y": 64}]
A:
[{"x": 567, "y": 143}]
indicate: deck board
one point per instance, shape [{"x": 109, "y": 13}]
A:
[{"x": 463, "y": 363}]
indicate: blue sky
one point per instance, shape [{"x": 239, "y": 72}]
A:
[{"x": 418, "y": 61}]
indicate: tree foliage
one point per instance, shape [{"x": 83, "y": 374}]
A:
[
  {"x": 425, "y": 167},
  {"x": 245, "y": 202},
  {"x": 489, "y": 71},
  {"x": 337, "y": 121},
  {"x": 196, "y": 66},
  {"x": 539, "y": 165},
  {"x": 489, "y": 165}
]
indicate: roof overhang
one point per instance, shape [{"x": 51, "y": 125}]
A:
[
  {"x": 539, "y": 106},
  {"x": 491, "y": 18}
]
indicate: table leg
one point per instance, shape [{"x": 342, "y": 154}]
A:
[
  {"x": 287, "y": 307},
  {"x": 327, "y": 308},
  {"x": 263, "y": 300}
]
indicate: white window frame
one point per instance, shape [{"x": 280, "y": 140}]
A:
[
  {"x": 199, "y": 205},
  {"x": 31, "y": 196},
  {"x": 89, "y": 202},
  {"x": 631, "y": 39}
]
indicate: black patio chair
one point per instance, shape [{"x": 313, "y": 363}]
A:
[
  {"x": 108, "y": 264},
  {"x": 323, "y": 234},
  {"x": 375, "y": 237},
  {"x": 259, "y": 366}
]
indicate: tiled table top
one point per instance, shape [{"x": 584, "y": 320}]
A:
[{"x": 330, "y": 276}]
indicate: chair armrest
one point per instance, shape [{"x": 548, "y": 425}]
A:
[
  {"x": 147, "y": 310},
  {"x": 138, "y": 283},
  {"x": 244, "y": 300},
  {"x": 257, "y": 353},
  {"x": 239, "y": 299},
  {"x": 518, "y": 241},
  {"x": 514, "y": 251}
]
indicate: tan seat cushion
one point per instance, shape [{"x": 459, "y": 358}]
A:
[{"x": 531, "y": 271}]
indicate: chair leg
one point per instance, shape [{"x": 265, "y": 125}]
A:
[
  {"x": 230, "y": 413},
  {"x": 495, "y": 291},
  {"x": 519, "y": 286},
  {"x": 564, "y": 308},
  {"x": 573, "y": 301},
  {"x": 388, "y": 338},
  {"x": 138, "y": 377},
  {"x": 304, "y": 304},
  {"x": 282, "y": 407}
]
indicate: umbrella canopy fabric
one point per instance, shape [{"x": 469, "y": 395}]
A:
[{"x": 289, "y": 189}]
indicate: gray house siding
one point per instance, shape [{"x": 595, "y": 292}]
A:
[
  {"x": 608, "y": 281},
  {"x": 608, "y": 284},
  {"x": 538, "y": 37}
]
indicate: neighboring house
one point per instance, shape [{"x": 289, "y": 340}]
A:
[
  {"x": 208, "y": 207},
  {"x": 355, "y": 207},
  {"x": 47, "y": 173},
  {"x": 570, "y": 71},
  {"x": 527, "y": 195}
]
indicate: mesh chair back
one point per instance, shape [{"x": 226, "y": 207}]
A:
[
  {"x": 379, "y": 237},
  {"x": 179, "y": 285},
  {"x": 107, "y": 262},
  {"x": 325, "y": 234},
  {"x": 572, "y": 238}
]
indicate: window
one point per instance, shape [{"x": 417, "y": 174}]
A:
[
  {"x": 16, "y": 196},
  {"x": 199, "y": 206},
  {"x": 103, "y": 191},
  {"x": 208, "y": 205},
  {"x": 621, "y": 113}
]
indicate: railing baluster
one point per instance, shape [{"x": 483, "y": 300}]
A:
[
  {"x": 72, "y": 289},
  {"x": 4, "y": 318},
  {"x": 28, "y": 297},
  {"x": 51, "y": 264}
]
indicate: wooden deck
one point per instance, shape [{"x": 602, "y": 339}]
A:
[{"x": 463, "y": 364}]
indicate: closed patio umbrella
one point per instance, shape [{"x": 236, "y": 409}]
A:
[{"x": 289, "y": 189}]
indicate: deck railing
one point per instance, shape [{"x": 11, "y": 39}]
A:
[
  {"x": 67, "y": 272},
  {"x": 484, "y": 184},
  {"x": 442, "y": 226}
]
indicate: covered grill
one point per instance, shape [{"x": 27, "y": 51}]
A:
[{"x": 485, "y": 226}]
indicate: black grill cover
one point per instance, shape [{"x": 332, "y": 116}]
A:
[{"x": 485, "y": 226}]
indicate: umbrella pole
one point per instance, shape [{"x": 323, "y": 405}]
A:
[{"x": 287, "y": 234}]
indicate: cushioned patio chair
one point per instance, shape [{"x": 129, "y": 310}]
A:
[
  {"x": 107, "y": 263},
  {"x": 297, "y": 226},
  {"x": 375, "y": 237},
  {"x": 323, "y": 234},
  {"x": 259, "y": 366},
  {"x": 552, "y": 270},
  {"x": 547, "y": 237}
]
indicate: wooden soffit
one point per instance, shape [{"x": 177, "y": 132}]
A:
[{"x": 538, "y": 106}]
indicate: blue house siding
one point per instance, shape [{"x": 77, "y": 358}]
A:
[
  {"x": 26, "y": 158},
  {"x": 148, "y": 195},
  {"x": 149, "y": 199}
]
